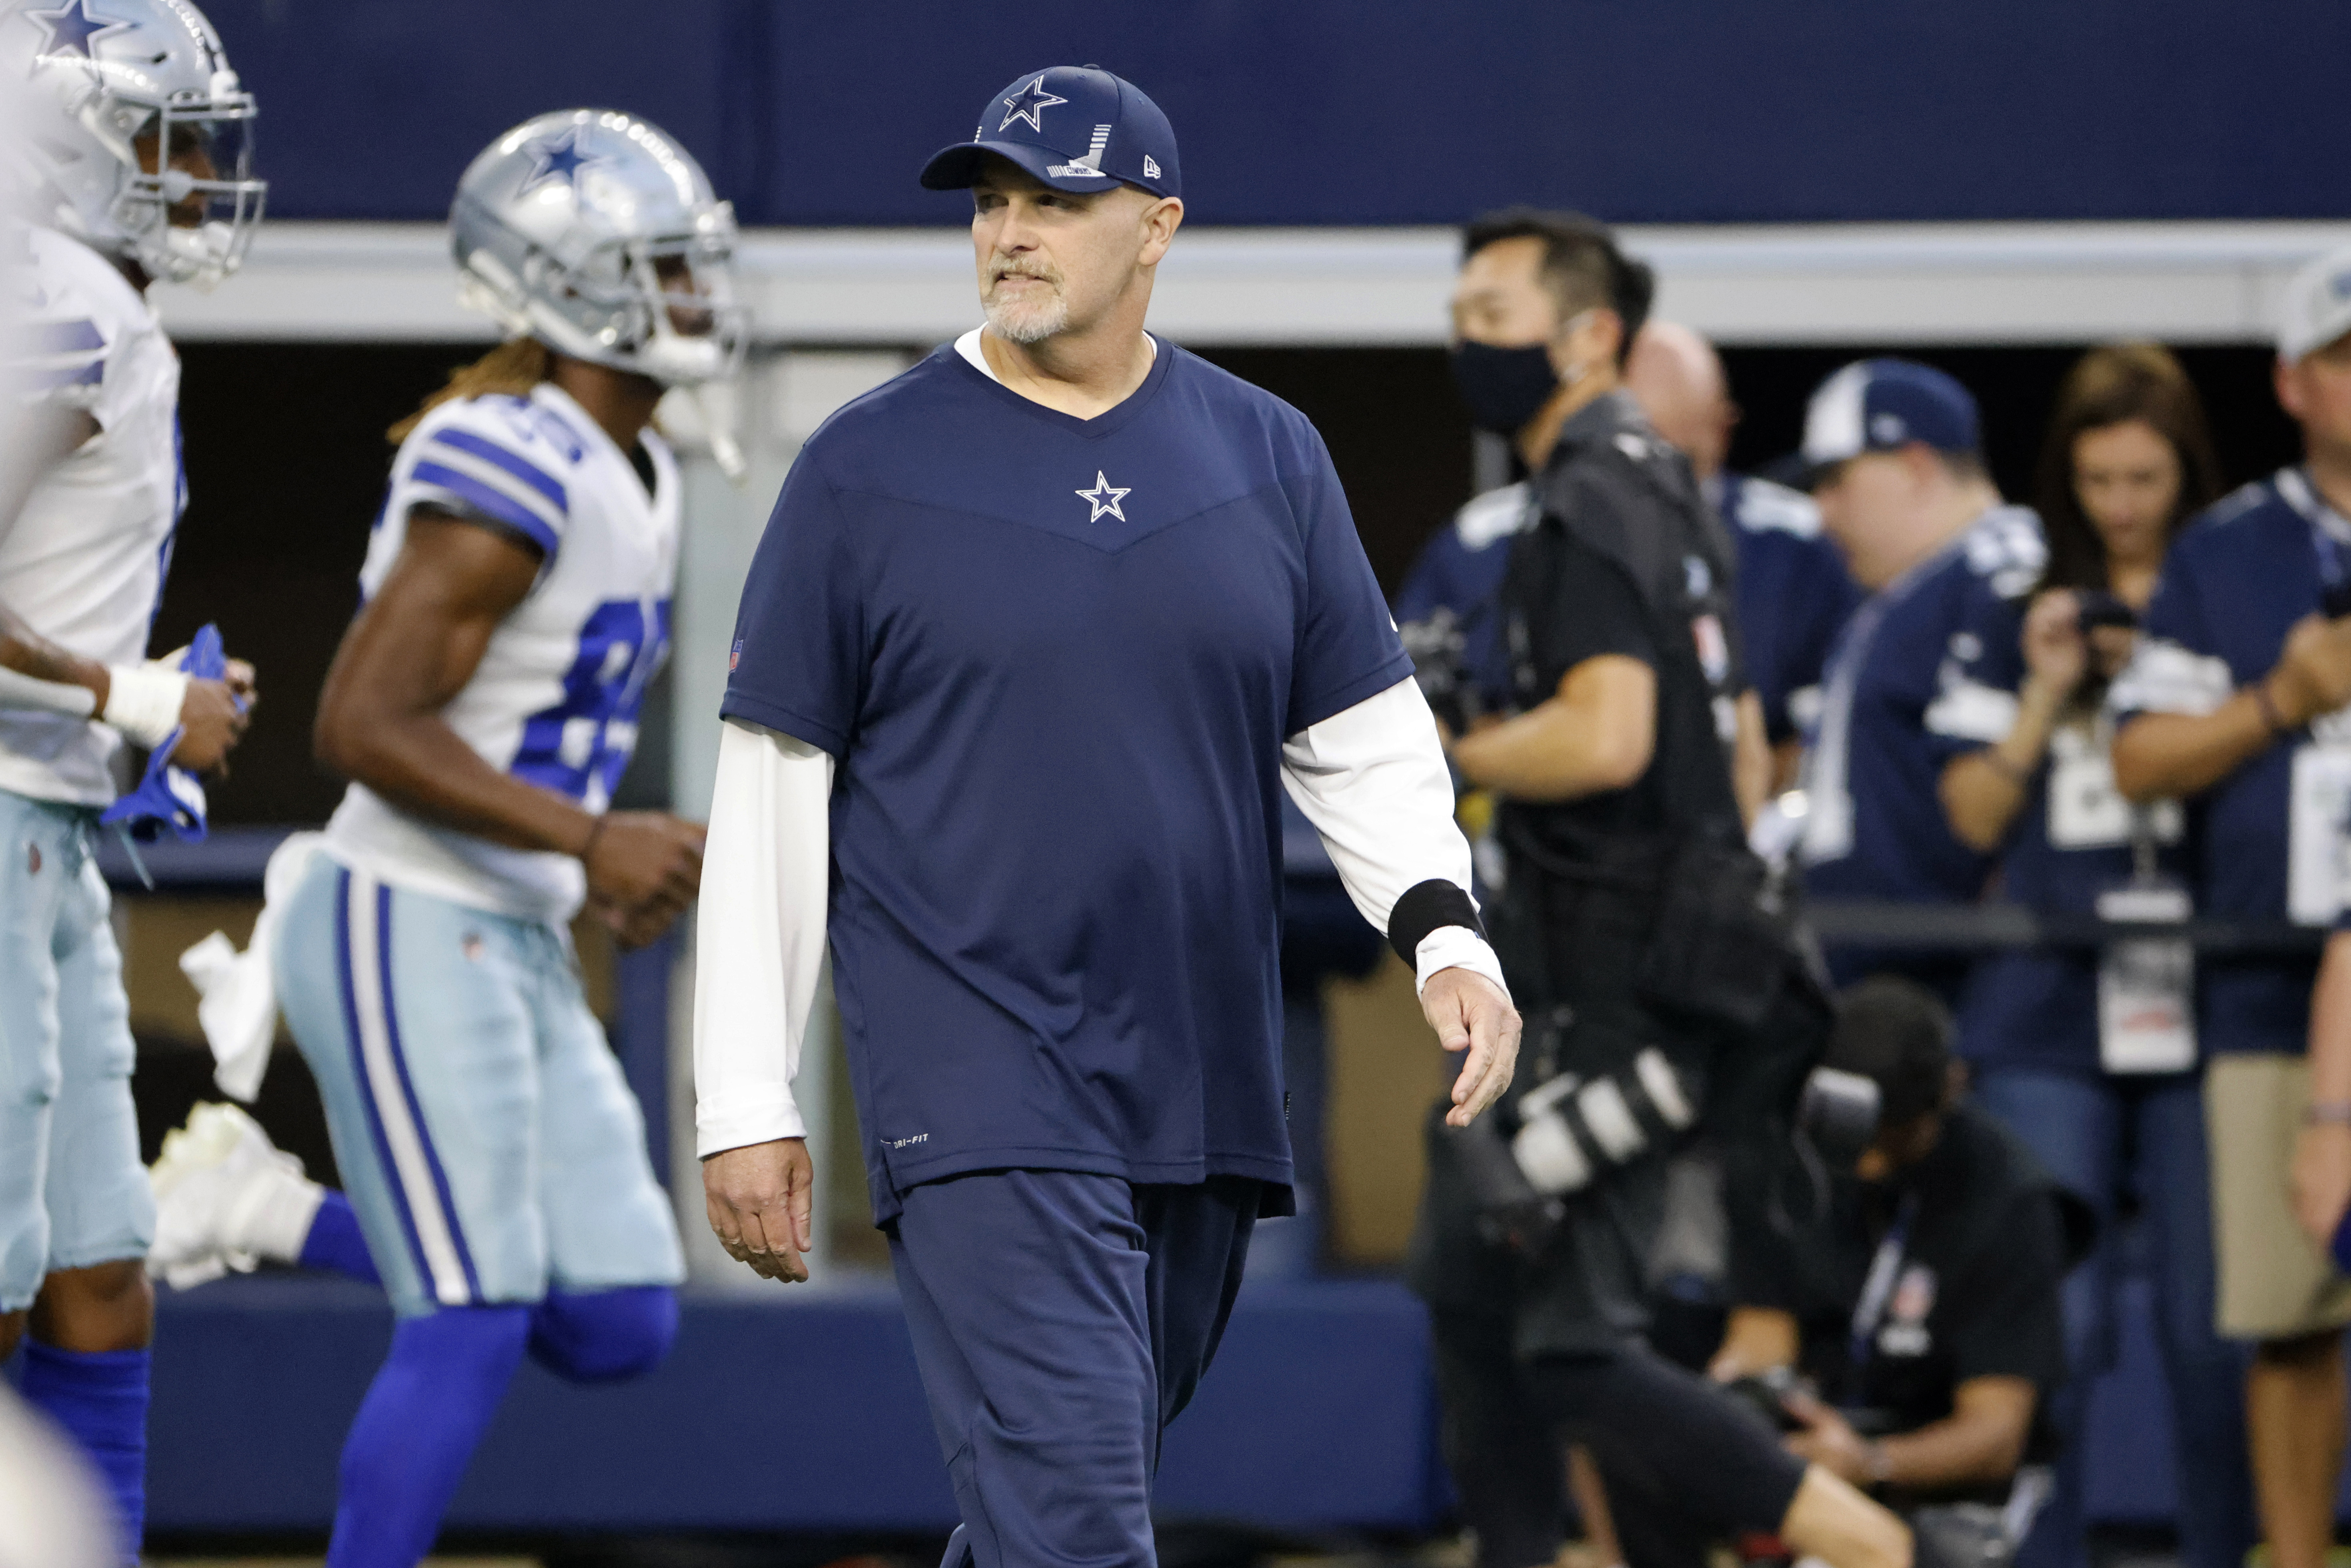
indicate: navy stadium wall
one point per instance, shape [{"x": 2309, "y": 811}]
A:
[{"x": 1331, "y": 112}]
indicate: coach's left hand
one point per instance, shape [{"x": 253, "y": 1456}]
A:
[
  {"x": 1469, "y": 1013},
  {"x": 758, "y": 1198}
]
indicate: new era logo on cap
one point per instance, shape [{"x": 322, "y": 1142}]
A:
[{"x": 1076, "y": 128}]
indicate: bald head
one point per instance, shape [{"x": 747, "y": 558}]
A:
[{"x": 1676, "y": 378}]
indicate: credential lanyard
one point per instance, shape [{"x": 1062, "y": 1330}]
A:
[
  {"x": 2327, "y": 540},
  {"x": 1876, "y": 1295}
]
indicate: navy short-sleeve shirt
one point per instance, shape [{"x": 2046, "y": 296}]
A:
[
  {"x": 1056, "y": 660},
  {"x": 1913, "y": 682}
]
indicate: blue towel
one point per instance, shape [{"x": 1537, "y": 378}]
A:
[{"x": 168, "y": 796}]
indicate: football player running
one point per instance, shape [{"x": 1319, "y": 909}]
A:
[
  {"x": 134, "y": 167},
  {"x": 484, "y": 705}
]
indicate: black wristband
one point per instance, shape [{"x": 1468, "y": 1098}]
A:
[{"x": 1425, "y": 906}]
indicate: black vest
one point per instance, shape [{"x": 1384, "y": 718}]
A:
[{"x": 1616, "y": 495}]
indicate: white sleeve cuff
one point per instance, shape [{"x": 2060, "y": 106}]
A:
[
  {"x": 1457, "y": 947},
  {"x": 745, "y": 1121}
]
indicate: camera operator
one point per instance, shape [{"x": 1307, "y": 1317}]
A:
[
  {"x": 1912, "y": 1335},
  {"x": 1623, "y": 840}
]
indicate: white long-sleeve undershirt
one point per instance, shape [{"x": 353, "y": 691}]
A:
[
  {"x": 1372, "y": 779},
  {"x": 759, "y": 938}
]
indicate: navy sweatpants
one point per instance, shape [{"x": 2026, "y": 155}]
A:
[{"x": 1061, "y": 1321}]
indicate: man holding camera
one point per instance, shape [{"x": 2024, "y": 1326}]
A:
[
  {"x": 1618, "y": 813},
  {"x": 1911, "y": 1340},
  {"x": 2239, "y": 702}
]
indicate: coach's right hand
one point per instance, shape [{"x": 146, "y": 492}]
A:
[
  {"x": 759, "y": 1198},
  {"x": 643, "y": 868},
  {"x": 1472, "y": 1015}
]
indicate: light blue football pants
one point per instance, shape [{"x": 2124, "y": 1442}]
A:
[
  {"x": 486, "y": 1136},
  {"x": 73, "y": 1192}
]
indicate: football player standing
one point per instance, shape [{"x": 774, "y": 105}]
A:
[
  {"x": 137, "y": 152},
  {"x": 483, "y": 705}
]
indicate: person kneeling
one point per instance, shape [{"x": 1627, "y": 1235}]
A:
[{"x": 1909, "y": 1339}]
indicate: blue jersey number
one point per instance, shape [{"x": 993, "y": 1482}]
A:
[{"x": 581, "y": 747}]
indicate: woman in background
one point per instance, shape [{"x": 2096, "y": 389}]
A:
[{"x": 2112, "y": 1105}]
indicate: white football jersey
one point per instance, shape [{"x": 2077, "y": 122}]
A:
[
  {"x": 85, "y": 560},
  {"x": 555, "y": 699}
]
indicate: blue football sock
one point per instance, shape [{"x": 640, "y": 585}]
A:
[
  {"x": 417, "y": 1429},
  {"x": 101, "y": 1397},
  {"x": 600, "y": 1336},
  {"x": 334, "y": 1242}
]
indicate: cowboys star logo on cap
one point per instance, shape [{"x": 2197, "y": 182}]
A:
[
  {"x": 1030, "y": 104},
  {"x": 1105, "y": 499},
  {"x": 1111, "y": 134}
]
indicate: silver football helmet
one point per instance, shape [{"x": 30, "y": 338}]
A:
[
  {"x": 593, "y": 232},
  {"x": 136, "y": 135}
]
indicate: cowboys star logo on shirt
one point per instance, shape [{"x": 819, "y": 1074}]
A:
[{"x": 1104, "y": 497}]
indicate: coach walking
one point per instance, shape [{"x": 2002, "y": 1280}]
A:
[{"x": 1036, "y": 632}]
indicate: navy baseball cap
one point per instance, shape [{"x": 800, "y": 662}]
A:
[
  {"x": 1883, "y": 405},
  {"x": 1076, "y": 128}
]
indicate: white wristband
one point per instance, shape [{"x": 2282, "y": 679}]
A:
[
  {"x": 1457, "y": 947},
  {"x": 143, "y": 702}
]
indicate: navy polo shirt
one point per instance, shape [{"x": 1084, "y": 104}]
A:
[
  {"x": 1056, "y": 660},
  {"x": 1793, "y": 594},
  {"x": 2235, "y": 582}
]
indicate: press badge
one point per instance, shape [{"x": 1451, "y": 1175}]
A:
[
  {"x": 2147, "y": 1021},
  {"x": 2318, "y": 832},
  {"x": 2085, "y": 810}
]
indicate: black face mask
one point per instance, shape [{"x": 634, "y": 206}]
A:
[{"x": 1505, "y": 388}]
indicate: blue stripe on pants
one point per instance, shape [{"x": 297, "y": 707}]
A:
[
  {"x": 420, "y": 1188},
  {"x": 1061, "y": 1321},
  {"x": 359, "y": 1062},
  {"x": 408, "y": 1093}
]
